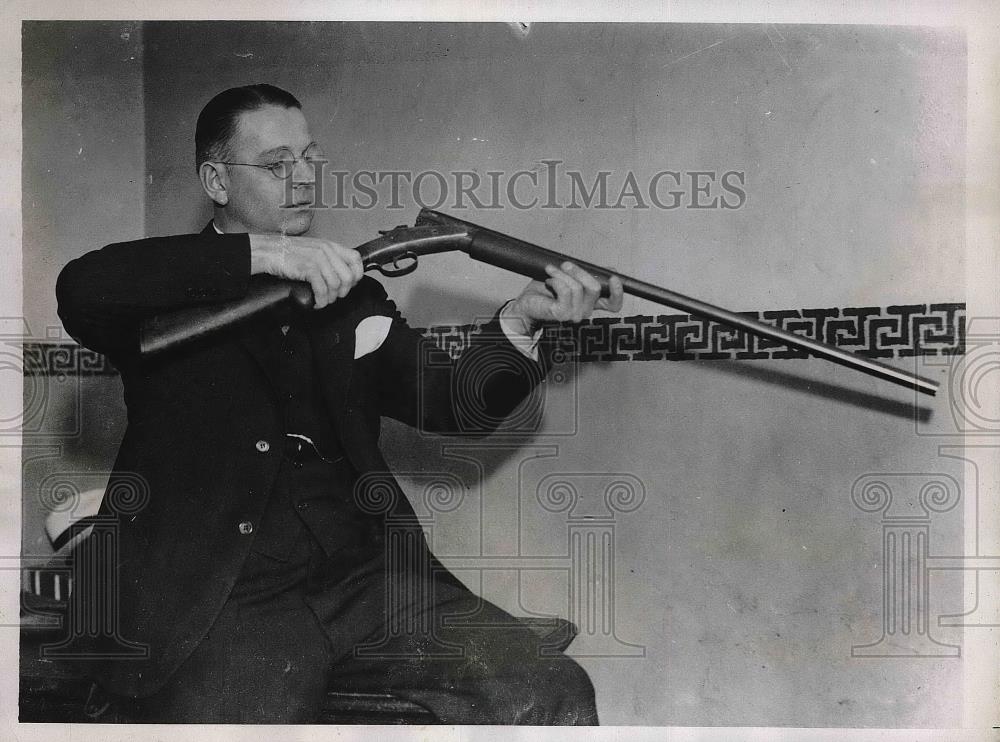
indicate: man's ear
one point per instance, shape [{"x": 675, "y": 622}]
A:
[{"x": 215, "y": 181}]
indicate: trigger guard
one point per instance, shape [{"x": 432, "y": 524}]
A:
[{"x": 398, "y": 270}]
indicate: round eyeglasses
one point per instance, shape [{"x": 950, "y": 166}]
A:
[{"x": 282, "y": 169}]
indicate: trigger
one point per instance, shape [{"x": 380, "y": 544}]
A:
[{"x": 397, "y": 269}]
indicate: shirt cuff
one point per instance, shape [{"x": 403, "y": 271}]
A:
[{"x": 516, "y": 333}]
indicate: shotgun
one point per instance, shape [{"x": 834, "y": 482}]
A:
[{"x": 396, "y": 252}]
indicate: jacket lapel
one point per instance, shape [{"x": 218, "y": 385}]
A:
[
  {"x": 332, "y": 340},
  {"x": 258, "y": 343},
  {"x": 252, "y": 337}
]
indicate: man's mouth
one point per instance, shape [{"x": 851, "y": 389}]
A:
[{"x": 303, "y": 197}]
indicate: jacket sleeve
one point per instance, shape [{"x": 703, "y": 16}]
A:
[
  {"x": 423, "y": 386},
  {"x": 104, "y": 295}
]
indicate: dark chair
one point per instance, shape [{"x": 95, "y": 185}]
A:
[{"x": 53, "y": 691}]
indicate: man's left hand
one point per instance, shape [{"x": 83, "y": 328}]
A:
[{"x": 570, "y": 294}]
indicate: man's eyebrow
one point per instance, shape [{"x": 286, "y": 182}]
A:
[{"x": 283, "y": 148}]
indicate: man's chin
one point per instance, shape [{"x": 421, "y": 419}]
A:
[{"x": 297, "y": 223}]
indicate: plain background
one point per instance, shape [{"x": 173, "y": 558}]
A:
[{"x": 747, "y": 574}]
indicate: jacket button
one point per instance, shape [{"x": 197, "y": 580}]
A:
[
  {"x": 263, "y": 446},
  {"x": 246, "y": 527},
  {"x": 302, "y": 506}
]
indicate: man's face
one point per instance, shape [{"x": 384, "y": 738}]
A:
[{"x": 256, "y": 196}]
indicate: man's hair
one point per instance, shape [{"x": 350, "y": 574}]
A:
[{"x": 219, "y": 118}]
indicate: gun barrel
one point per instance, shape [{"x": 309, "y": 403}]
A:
[
  {"x": 530, "y": 260},
  {"x": 823, "y": 350}
]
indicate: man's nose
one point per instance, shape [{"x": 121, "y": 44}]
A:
[{"x": 304, "y": 173}]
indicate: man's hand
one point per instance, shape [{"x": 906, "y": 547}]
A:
[
  {"x": 570, "y": 294},
  {"x": 331, "y": 269}
]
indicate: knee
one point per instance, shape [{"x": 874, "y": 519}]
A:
[{"x": 561, "y": 693}]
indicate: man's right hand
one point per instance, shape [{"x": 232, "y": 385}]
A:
[{"x": 331, "y": 269}]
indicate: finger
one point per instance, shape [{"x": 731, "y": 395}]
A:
[
  {"x": 307, "y": 268},
  {"x": 617, "y": 297},
  {"x": 352, "y": 259},
  {"x": 319, "y": 288},
  {"x": 591, "y": 289},
  {"x": 590, "y": 284},
  {"x": 560, "y": 306},
  {"x": 329, "y": 273},
  {"x": 344, "y": 275},
  {"x": 548, "y": 288},
  {"x": 357, "y": 264},
  {"x": 616, "y": 291},
  {"x": 563, "y": 285},
  {"x": 576, "y": 292}
]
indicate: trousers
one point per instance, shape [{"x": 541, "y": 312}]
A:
[{"x": 304, "y": 618}]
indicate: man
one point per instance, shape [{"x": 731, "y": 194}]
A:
[{"x": 252, "y": 558}]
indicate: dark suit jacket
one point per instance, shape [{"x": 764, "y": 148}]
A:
[{"x": 199, "y": 419}]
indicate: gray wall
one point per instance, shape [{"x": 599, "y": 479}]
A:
[
  {"x": 82, "y": 173},
  {"x": 747, "y": 573}
]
